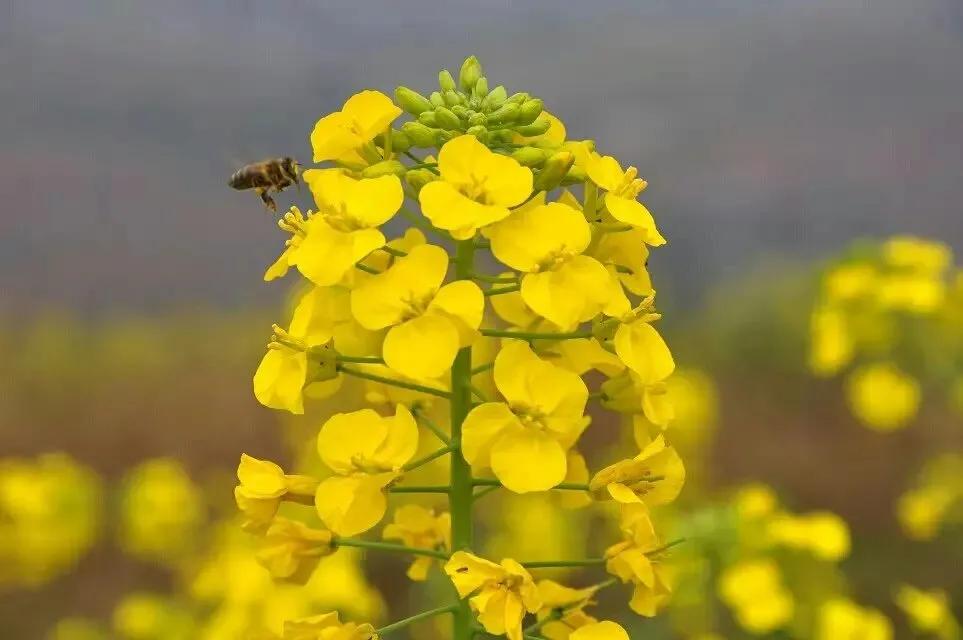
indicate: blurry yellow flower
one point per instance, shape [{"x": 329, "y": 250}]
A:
[
  {"x": 546, "y": 243},
  {"x": 291, "y": 550},
  {"x": 641, "y": 348},
  {"x": 882, "y": 396},
  {"x": 263, "y": 484},
  {"x": 623, "y": 187},
  {"x": 849, "y": 282},
  {"x": 562, "y": 610},
  {"x": 77, "y": 629},
  {"x": 476, "y": 188},
  {"x": 625, "y": 255},
  {"x": 916, "y": 254},
  {"x": 653, "y": 477},
  {"x": 503, "y": 592},
  {"x": 420, "y": 528},
  {"x": 840, "y": 618},
  {"x": 754, "y": 591},
  {"x": 577, "y": 472},
  {"x": 831, "y": 344},
  {"x": 429, "y": 322},
  {"x": 634, "y": 560},
  {"x": 914, "y": 293},
  {"x": 928, "y": 611},
  {"x": 525, "y": 439},
  {"x": 605, "y": 630},
  {"x": 327, "y": 626},
  {"x": 145, "y": 616},
  {"x": 922, "y": 511},
  {"x": 162, "y": 510},
  {"x": 366, "y": 452},
  {"x": 340, "y": 135},
  {"x": 822, "y": 533},
  {"x": 755, "y": 501}
]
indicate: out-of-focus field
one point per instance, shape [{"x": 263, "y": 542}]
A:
[{"x": 115, "y": 393}]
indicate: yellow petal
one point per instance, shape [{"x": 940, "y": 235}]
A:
[
  {"x": 332, "y": 137},
  {"x": 261, "y": 478},
  {"x": 528, "y": 237},
  {"x": 317, "y": 312},
  {"x": 621, "y": 493},
  {"x": 280, "y": 267},
  {"x": 464, "y": 303},
  {"x": 424, "y": 347},
  {"x": 350, "y": 505},
  {"x": 449, "y": 209},
  {"x": 280, "y": 378},
  {"x": 345, "y": 437},
  {"x": 468, "y": 572},
  {"x": 325, "y": 255},
  {"x": 631, "y": 211},
  {"x": 605, "y": 171},
  {"x": 644, "y": 351},
  {"x": 525, "y": 460},
  {"x": 401, "y": 441},
  {"x": 482, "y": 426},
  {"x": 370, "y": 112},
  {"x": 600, "y": 631},
  {"x": 373, "y": 201}
]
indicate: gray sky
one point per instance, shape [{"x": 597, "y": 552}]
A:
[{"x": 763, "y": 127}]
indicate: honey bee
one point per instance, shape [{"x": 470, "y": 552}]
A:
[{"x": 274, "y": 173}]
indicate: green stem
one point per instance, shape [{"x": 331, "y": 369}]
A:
[
  {"x": 366, "y": 269},
  {"x": 475, "y": 391},
  {"x": 482, "y": 368},
  {"x": 390, "y": 547},
  {"x": 460, "y": 496},
  {"x": 496, "y": 291},
  {"x": 424, "y": 615},
  {"x": 361, "y": 359},
  {"x": 484, "y": 492},
  {"x": 665, "y": 547},
  {"x": 495, "y": 279},
  {"x": 431, "y": 426},
  {"x": 398, "y": 253},
  {"x": 431, "y": 488},
  {"x": 420, "y": 462},
  {"x": 534, "y": 335},
  {"x": 395, "y": 383},
  {"x": 544, "y": 564},
  {"x": 562, "y": 486}
]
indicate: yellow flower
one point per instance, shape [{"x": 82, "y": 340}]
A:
[
  {"x": 754, "y": 590},
  {"x": 832, "y": 345},
  {"x": 327, "y": 626},
  {"x": 916, "y": 254},
  {"x": 263, "y": 485},
  {"x": 340, "y": 135},
  {"x": 291, "y": 550},
  {"x": 546, "y": 244},
  {"x": 928, "y": 611},
  {"x": 552, "y": 138},
  {"x": 605, "y": 630},
  {"x": 921, "y": 511},
  {"x": 419, "y": 527},
  {"x": 503, "y": 592},
  {"x": 366, "y": 452},
  {"x": 653, "y": 477},
  {"x": 623, "y": 187},
  {"x": 524, "y": 440},
  {"x": 882, "y": 396},
  {"x": 326, "y": 245},
  {"x": 634, "y": 560},
  {"x": 628, "y": 393},
  {"x": 849, "y": 282},
  {"x": 562, "y": 610},
  {"x": 641, "y": 348},
  {"x": 429, "y": 322},
  {"x": 841, "y": 618},
  {"x": 476, "y": 188},
  {"x": 823, "y": 533},
  {"x": 755, "y": 501},
  {"x": 625, "y": 255}
]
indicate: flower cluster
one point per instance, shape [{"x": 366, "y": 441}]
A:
[
  {"x": 503, "y": 209},
  {"x": 880, "y": 307}
]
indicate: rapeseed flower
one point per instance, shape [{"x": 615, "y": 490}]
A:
[{"x": 340, "y": 136}]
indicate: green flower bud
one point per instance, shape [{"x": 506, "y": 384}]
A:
[
  {"x": 502, "y": 136},
  {"x": 384, "y": 168},
  {"x": 519, "y": 98},
  {"x": 446, "y": 119},
  {"x": 471, "y": 71},
  {"x": 461, "y": 111},
  {"x": 436, "y": 99},
  {"x": 554, "y": 170},
  {"x": 399, "y": 141},
  {"x": 505, "y": 114},
  {"x": 452, "y": 98},
  {"x": 528, "y": 111},
  {"x": 481, "y": 87},
  {"x": 417, "y": 178},
  {"x": 322, "y": 363},
  {"x": 537, "y": 128},
  {"x": 445, "y": 81},
  {"x": 428, "y": 118},
  {"x": 479, "y": 132},
  {"x": 477, "y": 119},
  {"x": 494, "y": 99},
  {"x": 530, "y": 156},
  {"x": 411, "y": 101},
  {"x": 419, "y": 134},
  {"x": 575, "y": 175}
]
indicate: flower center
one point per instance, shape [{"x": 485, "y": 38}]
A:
[
  {"x": 553, "y": 260},
  {"x": 530, "y": 417},
  {"x": 631, "y": 185},
  {"x": 415, "y": 305},
  {"x": 364, "y": 465}
]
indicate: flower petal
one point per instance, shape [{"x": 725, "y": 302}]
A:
[
  {"x": 350, "y": 505},
  {"x": 526, "y": 460},
  {"x": 482, "y": 426},
  {"x": 423, "y": 347},
  {"x": 644, "y": 351}
]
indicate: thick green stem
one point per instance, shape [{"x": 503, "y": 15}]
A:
[
  {"x": 424, "y": 615},
  {"x": 460, "y": 496},
  {"x": 391, "y": 381}
]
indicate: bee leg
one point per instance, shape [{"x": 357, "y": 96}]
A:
[{"x": 266, "y": 199}]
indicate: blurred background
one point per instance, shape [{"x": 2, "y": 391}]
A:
[{"x": 774, "y": 135}]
